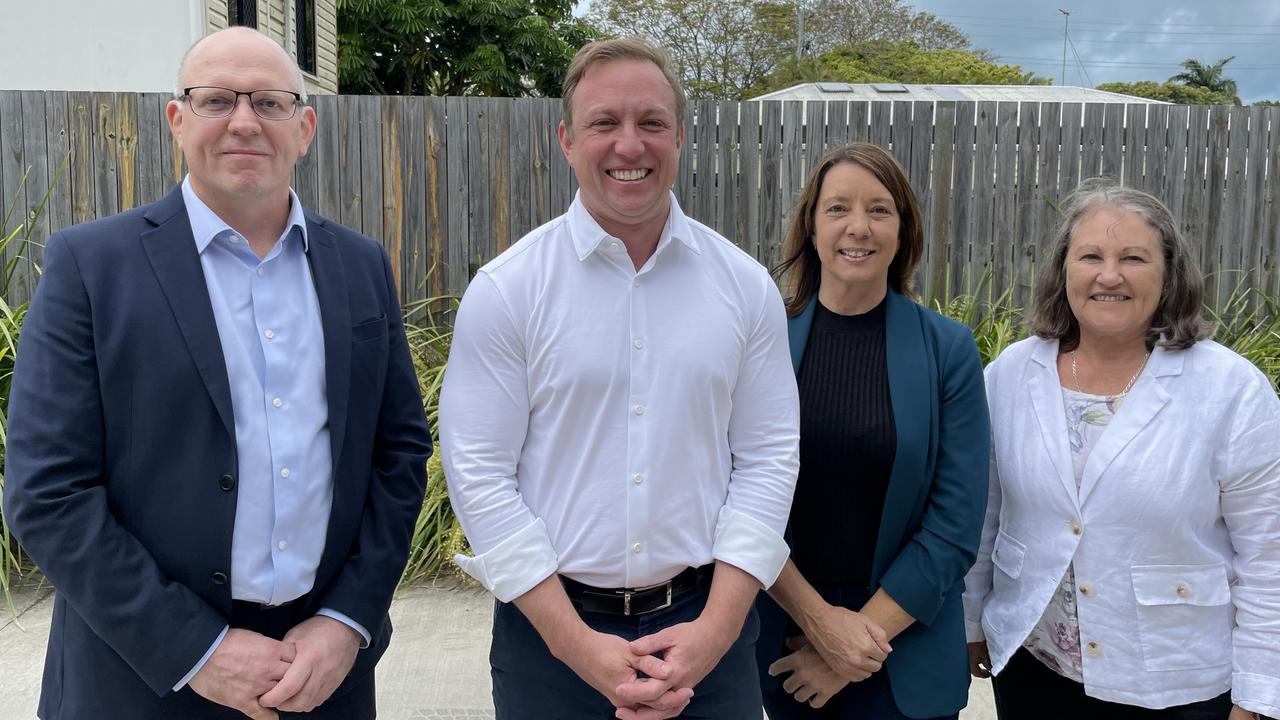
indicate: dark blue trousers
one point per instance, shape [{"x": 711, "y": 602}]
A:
[
  {"x": 531, "y": 684},
  {"x": 871, "y": 699}
]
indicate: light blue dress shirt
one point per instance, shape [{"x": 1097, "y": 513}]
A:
[{"x": 268, "y": 320}]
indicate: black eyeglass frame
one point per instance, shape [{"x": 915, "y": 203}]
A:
[{"x": 297, "y": 101}]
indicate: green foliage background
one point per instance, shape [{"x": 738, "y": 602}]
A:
[
  {"x": 465, "y": 47},
  {"x": 880, "y": 61}
]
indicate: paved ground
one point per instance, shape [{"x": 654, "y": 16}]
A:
[{"x": 440, "y": 633}]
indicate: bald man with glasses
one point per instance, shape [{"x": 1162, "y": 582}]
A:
[{"x": 217, "y": 445}]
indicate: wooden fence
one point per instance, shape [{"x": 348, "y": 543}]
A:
[{"x": 447, "y": 183}]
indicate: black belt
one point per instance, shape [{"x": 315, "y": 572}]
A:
[{"x": 636, "y": 601}]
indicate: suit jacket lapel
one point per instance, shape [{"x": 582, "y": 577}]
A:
[
  {"x": 335, "y": 318},
  {"x": 1046, "y": 400},
  {"x": 912, "y": 390},
  {"x": 1145, "y": 400},
  {"x": 171, "y": 249}
]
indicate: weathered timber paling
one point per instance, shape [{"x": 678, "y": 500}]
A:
[{"x": 447, "y": 183}]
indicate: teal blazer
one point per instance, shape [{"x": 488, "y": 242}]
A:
[{"x": 936, "y": 500}]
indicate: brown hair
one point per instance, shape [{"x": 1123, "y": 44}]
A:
[
  {"x": 802, "y": 270},
  {"x": 630, "y": 48},
  {"x": 1179, "y": 316}
]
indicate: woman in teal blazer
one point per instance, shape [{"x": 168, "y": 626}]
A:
[{"x": 865, "y": 621}]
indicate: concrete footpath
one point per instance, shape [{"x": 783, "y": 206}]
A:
[{"x": 437, "y": 666}]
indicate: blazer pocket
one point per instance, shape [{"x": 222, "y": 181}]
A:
[
  {"x": 370, "y": 329},
  {"x": 1008, "y": 554},
  {"x": 1185, "y": 615}
]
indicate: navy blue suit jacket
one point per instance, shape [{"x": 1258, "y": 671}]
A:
[
  {"x": 121, "y": 467},
  {"x": 937, "y": 497}
]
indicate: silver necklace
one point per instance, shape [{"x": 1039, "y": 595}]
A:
[{"x": 1075, "y": 375}]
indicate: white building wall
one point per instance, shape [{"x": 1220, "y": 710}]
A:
[{"x": 126, "y": 45}]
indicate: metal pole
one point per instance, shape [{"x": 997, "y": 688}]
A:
[{"x": 1066, "y": 17}]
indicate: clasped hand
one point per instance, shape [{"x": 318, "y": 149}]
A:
[
  {"x": 639, "y": 683},
  {"x": 257, "y": 676},
  {"x": 843, "y": 647}
]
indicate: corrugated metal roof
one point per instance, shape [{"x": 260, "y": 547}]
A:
[{"x": 1008, "y": 93}]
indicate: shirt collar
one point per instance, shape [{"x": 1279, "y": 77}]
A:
[
  {"x": 206, "y": 225},
  {"x": 588, "y": 235}
]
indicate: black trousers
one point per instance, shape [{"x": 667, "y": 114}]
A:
[
  {"x": 1027, "y": 690},
  {"x": 353, "y": 700}
]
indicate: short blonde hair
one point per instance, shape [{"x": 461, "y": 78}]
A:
[{"x": 630, "y": 48}]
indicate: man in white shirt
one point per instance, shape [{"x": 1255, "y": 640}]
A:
[{"x": 620, "y": 428}]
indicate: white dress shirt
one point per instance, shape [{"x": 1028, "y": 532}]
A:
[
  {"x": 1174, "y": 532},
  {"x": 617, "y": 426}
]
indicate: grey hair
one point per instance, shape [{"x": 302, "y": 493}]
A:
[
  {"x": 1179, "y": 320},
  {"x": 293, "y": 62}
]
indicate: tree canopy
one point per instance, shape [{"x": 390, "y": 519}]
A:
[
  {"x": 1169, "y": 92},
  {"x": 722, "y": 47},
  {"x": 459, "y": 47},
  {"x": 906, "y": 62},
  {"x": 835, "y": 23},
  {"x": 727, "y": 49},
  {"x": 1196, "y": 74}
]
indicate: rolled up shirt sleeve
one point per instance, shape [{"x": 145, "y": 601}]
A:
[
  {"x": 484, "y": 417},
  {"x": 764, "y": 440},
  {"x": 1250, "y": 494}
]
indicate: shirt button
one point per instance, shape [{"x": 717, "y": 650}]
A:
[
  {"x": 1086, "y": 589},
  {"x": 282, "y": 545},
  {"x": 635, "y": 283},
  {"x": 284, "y": 473},
  {"x": 1183, "y": 591},
  {"x": 637, "y": 547},
  {"x": 637, "y": 478},
  {"x": 1076, "y": 527},
  {"x": 261, "y": 272},
  {"x": 613, "y": 246},
  {"x": 234, "y": 239},
  {"x": 269, "y": 334},
  {"x": 1094, "y": 649},
  {"x": 639, "y": 410},
  {"x": 639, "y": 344},
  {"x": 277, "y": 402}
]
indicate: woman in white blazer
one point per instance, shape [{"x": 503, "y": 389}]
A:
[{"x": 1130, "y": 558}]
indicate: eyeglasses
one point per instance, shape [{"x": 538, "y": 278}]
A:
[{"x": 219, "y": 102}]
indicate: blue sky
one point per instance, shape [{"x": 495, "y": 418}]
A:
[{"x": 1126, "y": 40}]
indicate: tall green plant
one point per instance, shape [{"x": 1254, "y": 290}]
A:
[
  {"x": 437, "y": 536},
  {"x": 13, "y": 562}
]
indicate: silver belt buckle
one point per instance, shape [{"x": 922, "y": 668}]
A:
[{"x": 626, "y": 598}]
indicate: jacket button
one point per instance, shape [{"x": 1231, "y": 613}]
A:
[
  {"x": 227, "y": 483},
  {"x": 219, "y": 578}
]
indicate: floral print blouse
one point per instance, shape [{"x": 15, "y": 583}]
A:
[{"x": 1055, "y": 640}]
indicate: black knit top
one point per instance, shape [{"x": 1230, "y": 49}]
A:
[{"x": 847, "y": 444}]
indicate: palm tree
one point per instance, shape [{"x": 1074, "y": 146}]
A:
[{"x": 1209, "y": 77}]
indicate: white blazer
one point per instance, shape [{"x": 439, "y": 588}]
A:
[{"x": 1174, "y": 532}]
